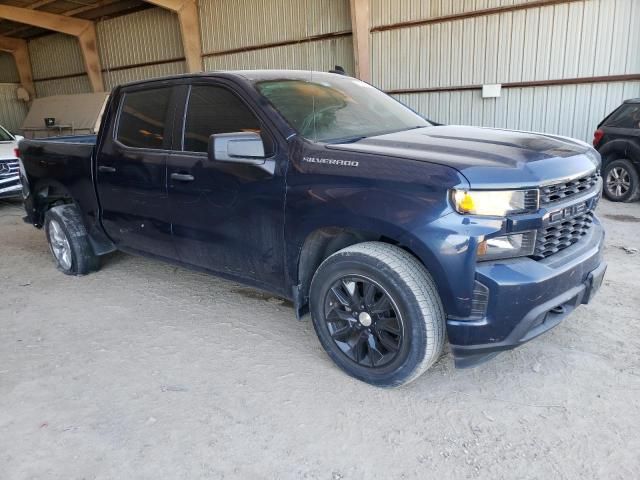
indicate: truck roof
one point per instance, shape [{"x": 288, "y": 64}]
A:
[{"x": 251, "y": 75}]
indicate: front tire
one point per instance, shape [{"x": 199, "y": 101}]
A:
[
  {"x": 69, "y": 242},
  {"x": 377, "y": 313},
  {"x": 621, "y": 182}
]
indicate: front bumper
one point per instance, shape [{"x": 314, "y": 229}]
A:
[
  {"x": 10, "y": 185},
  {"x": 527, "y": 298}
]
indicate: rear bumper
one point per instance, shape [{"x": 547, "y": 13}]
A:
[{"x": 527, "y": 298}]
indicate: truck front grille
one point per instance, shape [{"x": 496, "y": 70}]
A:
[
  {"x": 10, "y": 184},
  {"x": 554, "y": 238},
  {"x": 9, "y": 168},
  {"x": 560, "y": 191}
]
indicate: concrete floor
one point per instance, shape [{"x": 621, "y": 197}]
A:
[{"x": 144, "y": 370}]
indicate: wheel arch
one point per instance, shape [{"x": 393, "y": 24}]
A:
[
  {"x": 323, "y": 242},
  {"x": 621, "y": 149},
  {"x": 49, "y": 193}
]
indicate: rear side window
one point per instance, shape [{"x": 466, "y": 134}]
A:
[
  {"x": 142, "y": 118},
  {"x": 627, "y": 116},
  {"x": 214, "y": 110}
]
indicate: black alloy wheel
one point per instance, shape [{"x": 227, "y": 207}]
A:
[
  {"x": 363, "y": 321},
  {"x": 377, "y": 313}
]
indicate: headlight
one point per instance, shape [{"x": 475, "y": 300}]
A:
[
  {"x": 507, "y": 246},
  {"x": 497, "y": 203}
]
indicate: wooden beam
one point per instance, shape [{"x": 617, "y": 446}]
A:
[
  {"x": 361, "y": 26},
  {"x": 38, "y": 4},
  {"x": 41, "y": 3},
  {"x": 89, "y": 46},
  {"x": 189, "y": 19},
  {"x": 87, "y": 8},
  {"x": 18, "y": 48},
  {"x": 83, "y": 30},
  {"x": 50, "y": 21},
  {"x": 68, "y": 13},
  {"x": 9, "y": 44}
]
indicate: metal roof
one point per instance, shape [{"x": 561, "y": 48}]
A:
[{"x": 85, "y": 9}]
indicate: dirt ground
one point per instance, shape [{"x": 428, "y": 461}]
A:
[{"x": 144, "y": 370}]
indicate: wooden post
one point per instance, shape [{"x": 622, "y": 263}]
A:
[
  {"x": 189, "y": 19},
  {"x": 361, "y": 26},
  {"x": 83, "y": 30},
  {"x": 18, "y": 48},
  {"x": 89, "y": 47}
]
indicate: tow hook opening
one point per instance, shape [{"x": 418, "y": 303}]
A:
[{"x": 558, "y": 310}]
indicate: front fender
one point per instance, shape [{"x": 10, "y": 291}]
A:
[{"x": 384, "y": 199}]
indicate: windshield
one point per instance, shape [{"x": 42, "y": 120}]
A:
[
  {"x": 341, "y": 109},
  {"x": 5, "y": 136}
]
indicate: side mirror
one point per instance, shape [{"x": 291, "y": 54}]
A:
[
  {"x": 237, "y": 147},
  {"x": 18, "y": 138}
]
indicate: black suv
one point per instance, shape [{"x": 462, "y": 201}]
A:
[{"x": 618, "y": 141}]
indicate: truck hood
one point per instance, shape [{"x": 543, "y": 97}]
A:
[{"x": 487, "y": 157}]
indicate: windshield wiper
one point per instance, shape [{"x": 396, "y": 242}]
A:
[
  {"x": 353, "y": 139},
  {"x": 357, "y": 138}
]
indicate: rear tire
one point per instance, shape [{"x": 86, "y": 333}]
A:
[
  {"x": 69, "y": 242},
  {"x": 621, "y": 182},
  {"x": 377, "y": 313}
]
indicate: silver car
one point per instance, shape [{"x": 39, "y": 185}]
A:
[{"x": 10, "y": 185}]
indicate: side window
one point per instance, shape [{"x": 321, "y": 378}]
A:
[
  {"x": 627, "y": 116},
  {"x": 215, "y": 110},
  {"x": 142, "y": 118}
]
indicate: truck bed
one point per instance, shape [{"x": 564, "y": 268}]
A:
[{"x": 60, "y": 169}]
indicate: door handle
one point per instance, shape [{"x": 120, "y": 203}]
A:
[
  {"x": 105, "y": 169},
  {"x": 182, "y": 177}
]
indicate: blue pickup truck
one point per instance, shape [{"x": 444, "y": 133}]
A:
[{"x": 394, "y": 233}]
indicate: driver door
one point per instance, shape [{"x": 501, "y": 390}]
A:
[{"x": 226, "y": 217}]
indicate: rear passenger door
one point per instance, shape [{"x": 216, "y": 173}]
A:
[
  {"x": 226, "y": 217},
  {"x": 132, "y": 171}
]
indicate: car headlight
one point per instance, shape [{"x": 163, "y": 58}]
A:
[
  {"x": 495, "y": 203},
  {"x": 507, "y": 246}
]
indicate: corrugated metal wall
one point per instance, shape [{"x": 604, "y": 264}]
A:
[
  {"x": 12, "y": 110},
  {"x": 230, "y": 24},
  {"x": 243, "y": 24},
  {"x": 57, "y": 55},
  {"x": 385, "y": 12},
  {"x": 8, "y": 71},
  {"x": 113, "y": 78},
  {"x": 569, "y": 110},
  {"x": 318, "y": 55},
  {"x": 587, "y": 38},
  {"x": 574, "y": 39},
  {"x": 149, "y": 36}
]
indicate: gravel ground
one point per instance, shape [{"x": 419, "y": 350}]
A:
[{"x": 144, "y": 370}]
